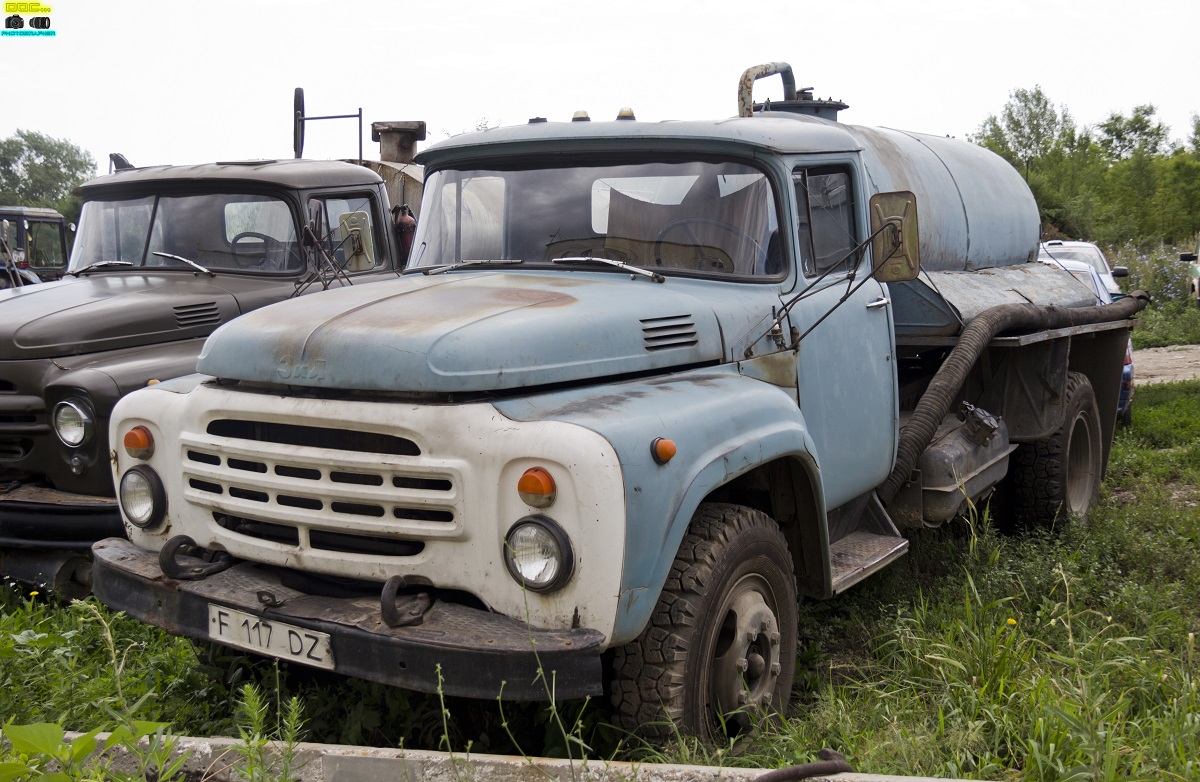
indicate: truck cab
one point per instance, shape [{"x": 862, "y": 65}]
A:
[
  {"x": 34, "y": 246},
  {"x": 640, "y": 388}
]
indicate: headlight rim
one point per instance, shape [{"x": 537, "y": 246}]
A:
[
  {"x": 86, "y": 417},
  {"x": 566, "y": 553},
  {"x": 158, "y": 493}
]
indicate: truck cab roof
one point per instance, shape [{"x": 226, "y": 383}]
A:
[{"x": 298, "y": 174}]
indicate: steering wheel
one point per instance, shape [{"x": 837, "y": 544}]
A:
[
  {"x": 719, "y": 261},
  {"x": 244, "y": 260}
]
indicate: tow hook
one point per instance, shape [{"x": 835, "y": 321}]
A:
[
  {"x": 204, "y": 562},
  {"x": 408, "y": 610}
]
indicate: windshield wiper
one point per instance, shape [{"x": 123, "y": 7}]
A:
[
  {"x": 655, "y": 276},
  {"x": 193, "y": 264},
  {"x": 98, "y": 264},
  {"x": 477, "y": 262}
]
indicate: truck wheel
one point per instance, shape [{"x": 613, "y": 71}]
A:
[
  {"x": 720, "y": 648},
  {"x": 1057, "y": 479}
]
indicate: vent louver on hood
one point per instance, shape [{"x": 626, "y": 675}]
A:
[
  {"x": 192, "y": 315},
  {"x": 676, "y": 331}
]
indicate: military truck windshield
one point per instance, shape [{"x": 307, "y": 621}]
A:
[
  {"x": 691, "y": 217},
  {"x": 219, "y": 231}
]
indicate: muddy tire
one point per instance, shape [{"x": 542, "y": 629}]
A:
[
  {"x": 720, "y": 649},
  {"x": 1057, "y": 480}
]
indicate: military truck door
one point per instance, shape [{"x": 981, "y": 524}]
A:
[
  {"x": 847, "y": 373},
  {"x": 46, "y": 247}
]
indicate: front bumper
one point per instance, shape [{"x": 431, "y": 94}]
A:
[
  {"x": 38, "y": 517},
  {"x": 480, "y": 654}
]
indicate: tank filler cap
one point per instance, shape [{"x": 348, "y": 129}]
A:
[{"x": 805, "y": 103}]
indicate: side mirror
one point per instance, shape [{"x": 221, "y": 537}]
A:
[
  {"x": 1187, "y": 257},
  {"x": 1120, "y": 271},
  {"x": 71, "y": 227},
  {"x": 360, "y": 247},
  {"x": 895, "y": 248}
]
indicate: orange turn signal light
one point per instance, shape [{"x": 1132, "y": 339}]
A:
[
  {"x": 138, "y": 443},
  {"x": 537, "y": 488},
  {"x": 663, "y": 450}
]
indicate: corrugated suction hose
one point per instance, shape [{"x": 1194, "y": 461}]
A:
[{"x": 943, "y": 389}]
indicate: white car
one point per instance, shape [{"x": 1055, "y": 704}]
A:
[
  {"x": 1087, "y": 274},
  {"x": 1087, "y": 253}
]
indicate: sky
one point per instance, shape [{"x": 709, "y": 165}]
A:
[{"x": 183, "y": 81}]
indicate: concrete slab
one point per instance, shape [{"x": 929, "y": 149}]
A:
[{"x": 216, "y": 760}]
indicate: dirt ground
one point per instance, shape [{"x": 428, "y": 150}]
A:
[{"x": 1162, "y": 365}]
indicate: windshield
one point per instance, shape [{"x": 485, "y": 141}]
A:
[
  {"x": 219, "y": 231},
  {"x": 693, "y": 217},
  {"x": 1089, "y": 255}
]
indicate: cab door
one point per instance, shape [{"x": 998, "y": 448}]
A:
[{"x": 846, "y": 365}]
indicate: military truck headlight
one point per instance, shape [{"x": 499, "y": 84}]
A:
[
  {"x": 73, "y": 423},
  {"x": 538, "y": 554},
  {"x": 143, "y": 497}
]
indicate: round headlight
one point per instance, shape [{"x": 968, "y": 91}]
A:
[
  {"x": 72, "y": 423},
  {"x": 538, "y": 554},
  {"x": 143, "y": 497}
]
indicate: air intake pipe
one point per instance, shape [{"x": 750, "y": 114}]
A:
[{"x": 943, "y": 389}]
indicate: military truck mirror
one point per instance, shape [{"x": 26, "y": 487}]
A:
[
  {"x": 71, "y": 227},
  {"x": 356, "y": 238},
  {"x": 1187, "y": 257},
  {"x": 894, "y": 248},
  {"x": 1120, "y": 271}
]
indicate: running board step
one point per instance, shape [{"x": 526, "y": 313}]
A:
[{"x": 860, "y": 554}]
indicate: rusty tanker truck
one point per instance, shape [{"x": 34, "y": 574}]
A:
[{"x": 642, "y": 386}]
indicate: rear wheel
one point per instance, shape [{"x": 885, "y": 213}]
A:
[
  {"x": 720, "y": 649},
  {"x": 1057, "y": 479}
]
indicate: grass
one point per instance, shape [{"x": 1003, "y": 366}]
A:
[{"x": 1036, "y": 657}]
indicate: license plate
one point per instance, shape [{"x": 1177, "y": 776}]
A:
[{"x": 275, "y": 639}]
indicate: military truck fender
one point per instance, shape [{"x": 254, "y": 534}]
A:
[{"x": 738, "y": 440}]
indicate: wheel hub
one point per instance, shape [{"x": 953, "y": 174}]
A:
[{"x": 746, "y": 659}]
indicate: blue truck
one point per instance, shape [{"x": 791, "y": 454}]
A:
[{"x": 641, "y": 388}]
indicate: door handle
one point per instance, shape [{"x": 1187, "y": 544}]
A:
[{"x": 880, "y": 302}]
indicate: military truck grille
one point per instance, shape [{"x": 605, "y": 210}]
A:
[
  {"x": 190, "y": 315},
  {"x": 670, "y": 332},
  {"x": 318, "y": 487},
  {"x": 14, "y": 450}
]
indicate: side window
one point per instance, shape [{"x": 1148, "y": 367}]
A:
[
  {"x": 45, "y": 248},
  {"x": 346, "y": 232},
  {"x": 825, "y": 199}
]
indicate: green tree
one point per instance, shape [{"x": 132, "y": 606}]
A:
[
  {"x": 39, "y": 170},
  {"x": 1122, "y": 137},
  {"x": 1027, "y": 129}
]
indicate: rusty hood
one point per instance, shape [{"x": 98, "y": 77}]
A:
[
  {"x": 107, "y": 312},
  {"x": 471, "y": 332}
]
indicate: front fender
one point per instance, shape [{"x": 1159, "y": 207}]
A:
[{"x": 723, "y": 424}]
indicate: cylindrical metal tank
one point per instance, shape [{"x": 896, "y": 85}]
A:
[{"x": 975, "y": 210}]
